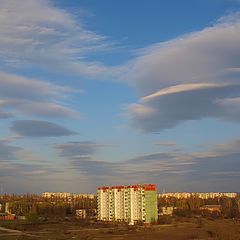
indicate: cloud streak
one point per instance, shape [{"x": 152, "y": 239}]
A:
[
  {"x": 8, "y": 152},
  {"x": 213, "y": 170},
  {"x": 171, "y": 170},
  {"x": 33, "y": 97},
  {"x": 78, "y": 149},
  {"x": 14, "y": 86},
  {"x": 4, "y": 115},
  {"x": 36, "y": 129}
]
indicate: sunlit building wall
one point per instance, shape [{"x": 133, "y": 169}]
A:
[{"x": 136, "y": 203}]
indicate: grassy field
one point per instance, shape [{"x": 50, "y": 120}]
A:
[{"x": 180, "y": 229}]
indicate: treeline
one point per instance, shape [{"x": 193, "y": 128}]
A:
[
  {"x": 14, "y": 197},
  {"x": 54, "y": 207},
  {"x": 229, "y": 207},
  {"x": 46, "y": 207}
]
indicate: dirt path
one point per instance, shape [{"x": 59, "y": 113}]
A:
[
  {"x": 14, "y": 232},
  {"x": 9, "y": 230}
]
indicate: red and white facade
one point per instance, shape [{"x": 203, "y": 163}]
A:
[{"x": 123, "y": 203}]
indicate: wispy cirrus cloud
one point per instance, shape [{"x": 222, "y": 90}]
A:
[
  {"x": 8, "y": 152},
  {"x": 15, "y": 86},
  {"x": 80, "y": 156},
  {"x": 214, "y": 170},
  {"x": 19, "y": 178},
  {"x": 23, "y": 171},
  {"x": 38, "y": 34},
  {"x": 39, "y": 108},
  {"x": 175, "y": 171},
  {"x": 33, "y": 97}
]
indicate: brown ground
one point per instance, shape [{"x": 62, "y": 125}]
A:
[{"x": 179, "y": 230}]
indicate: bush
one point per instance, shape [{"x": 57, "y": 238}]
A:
[
  {"x": 165, "y": 220},
  {"x": 32, "y": 218}
]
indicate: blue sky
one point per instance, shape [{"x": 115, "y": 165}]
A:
[{"x": 119, "y": 92}]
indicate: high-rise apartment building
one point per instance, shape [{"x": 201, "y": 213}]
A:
[{"x": 137, "y": 203}]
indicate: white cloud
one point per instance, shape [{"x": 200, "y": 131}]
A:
[
  {"x": 33, "y": 97},
  {"x": 231, "y": 108},
  {"x": 37, "y": 33},
  {"x": 181, "y": 88},
  {"x": 172, "y": 170},
  {"x": 7, "y": 151},
  {"x": 198, "y": 167},
  {"x": 78, "y": 149},
  {"x": 14, "y": 86},
  {"x": 207, "y": 56},
  {"x": 188, "y": 78},
  {"x": 40, "y": 108},
  {"x": 38, "y": 129},
  {"x": 169, "y": 107},
  {"x": 208, "y": 170}
]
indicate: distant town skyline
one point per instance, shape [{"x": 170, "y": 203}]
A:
[{"x": 97, "y": 93}]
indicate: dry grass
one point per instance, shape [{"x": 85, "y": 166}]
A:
[{"x": 181, "y": 230}]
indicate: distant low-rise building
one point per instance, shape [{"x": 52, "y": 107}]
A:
[
  {"x": 206, "y": 195},
  {"x": 86, "y": 213},
  {"x": 211, "y": 208},
  {"x": 85, "y": 195},
  {"x": 81, "y": 213},
  {"x": 56, "y": 194},
  {"x": 166, "y": 211},
  {"x": 67, "y": 195}
]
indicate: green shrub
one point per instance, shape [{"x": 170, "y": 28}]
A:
[
  {"x": 165, "y": 220},
  {"x": 32, "y": 218}
]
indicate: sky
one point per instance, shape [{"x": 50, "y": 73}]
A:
[{"x": 108, "y": 92}]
